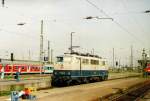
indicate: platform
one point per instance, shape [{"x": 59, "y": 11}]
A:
[{"x": 12, "y": 85}]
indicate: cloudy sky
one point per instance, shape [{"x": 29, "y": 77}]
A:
[{"x": 61, "y": 17}]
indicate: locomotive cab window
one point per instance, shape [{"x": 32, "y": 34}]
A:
[{"x": 60, "y": 59}]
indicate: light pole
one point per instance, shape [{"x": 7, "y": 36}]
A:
[
  {"x": 113, "y": 58},
  {"x": 71, "y": 43}
]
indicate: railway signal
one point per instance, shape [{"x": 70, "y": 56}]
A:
[
  {"x": 45, "y": 58},
  {"x": 12, "y": 57},
  {"x": 116, "y": 63}
]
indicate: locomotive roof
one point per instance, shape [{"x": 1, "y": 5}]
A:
[{"x": 82, "y": 54}]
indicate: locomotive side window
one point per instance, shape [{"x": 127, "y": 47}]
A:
[
  {"x": 94, "y": 62},
  {"x": 85, "y": 61}
]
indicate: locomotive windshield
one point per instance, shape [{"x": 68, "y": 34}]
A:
[{"x": 60, "y": 59}]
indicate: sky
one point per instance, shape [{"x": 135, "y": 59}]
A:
[{"x": 130, "y": 27}]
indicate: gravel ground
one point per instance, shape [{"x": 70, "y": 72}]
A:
[{"x": 86, "y": 92}]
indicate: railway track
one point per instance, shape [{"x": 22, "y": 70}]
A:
[
  {"x": 39, "y": 77},
  {"x": 132, "y": 94}
]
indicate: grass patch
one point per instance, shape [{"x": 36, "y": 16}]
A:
[
  {"x": 12, "y": 88},
  {"x": 4, "y": 93}
]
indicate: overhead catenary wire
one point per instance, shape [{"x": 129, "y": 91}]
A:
[
  {"x": 124, "y": 2},
  {"x": 117, "y": 23}
]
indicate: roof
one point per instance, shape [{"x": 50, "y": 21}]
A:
[{"x": 83, "y": 54}]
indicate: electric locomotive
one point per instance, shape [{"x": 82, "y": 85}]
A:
[{"x": 77, "y": 68}]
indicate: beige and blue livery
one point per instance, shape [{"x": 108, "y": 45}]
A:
[{"x": 77, "y": 68}]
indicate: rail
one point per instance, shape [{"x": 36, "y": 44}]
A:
[
  {"x": 132, "y": 94},
  {"x": 47, "y": 76}
]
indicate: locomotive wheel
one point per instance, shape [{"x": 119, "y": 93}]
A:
[
  {"x": 70, "y": 83},
  {"x": 106, "y": 77},
  {"x": 77, "y": 82},
  {"x": 91, "y": 80},
  {"x": 85, "y": 80}
]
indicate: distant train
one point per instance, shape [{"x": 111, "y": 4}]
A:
[
  {"x": 26, "y": 68},
  {"x": 76, "y": 68},
  {"x": 147, "y": 69}
]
